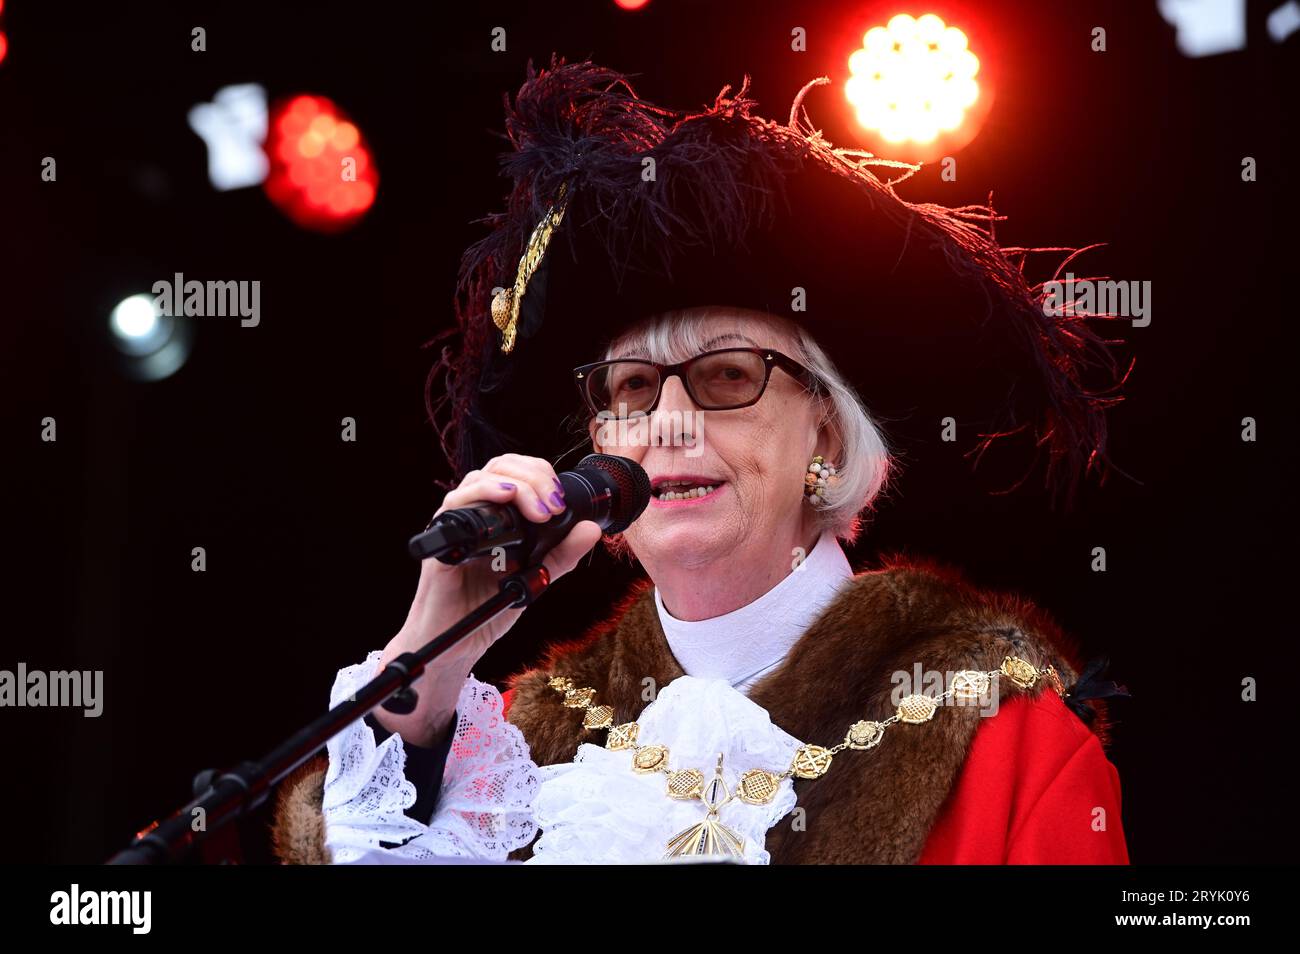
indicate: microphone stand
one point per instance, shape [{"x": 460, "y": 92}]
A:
[{"x": 233, "y": 794}]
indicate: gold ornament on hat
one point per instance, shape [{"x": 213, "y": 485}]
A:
[
  {"x": 507, "y": 301},
  {"x": 760, "y": 786}
]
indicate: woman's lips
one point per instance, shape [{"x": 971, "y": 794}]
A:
[{"x": 689, "y": 501}]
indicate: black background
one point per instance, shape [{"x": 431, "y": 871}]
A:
[{"x": 239, "y": 452}]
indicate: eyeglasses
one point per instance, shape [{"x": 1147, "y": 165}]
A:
[{"x": 715, "y": 380}]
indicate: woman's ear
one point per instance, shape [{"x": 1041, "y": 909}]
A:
[
  {"x": 593, "y": 428},
  {"x": 829, "y": 444}
]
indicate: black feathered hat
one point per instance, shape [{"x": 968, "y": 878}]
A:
[{"x": 621, "y": 209}]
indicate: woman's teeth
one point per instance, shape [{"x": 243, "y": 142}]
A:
[{"x": 687, "y": 494}]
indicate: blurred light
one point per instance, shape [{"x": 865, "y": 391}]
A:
[
  {"x": 137, "y": 322},
  {"x": 153, "y": 345},
  {"x": 322, "y": 171},
  {"x": 233, "y": 126},
  {"x": 631, "y": 4},
  {"x": 913, "y": 80},
  {"x": 1284, "y": 21},
  {"x": 1206, "y": 27},
  {"x": 4, "y": 46}
]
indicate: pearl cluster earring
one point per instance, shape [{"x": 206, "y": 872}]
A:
[{"x": 819, "y": 475}]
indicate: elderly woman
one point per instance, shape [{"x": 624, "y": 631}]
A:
[{"x": 753, "y": 698}]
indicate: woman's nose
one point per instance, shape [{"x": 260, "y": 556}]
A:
[
  {"x": 674, "y": 419},
  {"x": 673, "y": 397}
]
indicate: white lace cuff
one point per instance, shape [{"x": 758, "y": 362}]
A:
[{"x": 488, "y": 785}]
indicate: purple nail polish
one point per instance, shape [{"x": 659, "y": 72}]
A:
[
  {"x": 557, "y": 500},
  {"x": 505, "y": 486},
  {"x": 558, "y": 486},
  {"x": 545, "y": 509}
]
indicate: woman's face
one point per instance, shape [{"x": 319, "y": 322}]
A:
[{"x": 754, "y": 458}]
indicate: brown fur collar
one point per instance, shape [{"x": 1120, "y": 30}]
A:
[
  {"x": 884, "y": 621},
  {"x": 298, "y": 827}
]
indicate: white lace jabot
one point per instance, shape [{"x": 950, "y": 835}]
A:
[
  {"x": 597, "y": 810},
  {"x": 746, "y": 644}
]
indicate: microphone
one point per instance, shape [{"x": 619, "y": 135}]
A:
[{"x": 612, "y": 491}]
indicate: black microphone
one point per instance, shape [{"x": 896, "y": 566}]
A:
[{"x": 612, "y": 491}]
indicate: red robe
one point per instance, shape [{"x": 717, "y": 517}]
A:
[{"x": 1028, "y": 793}]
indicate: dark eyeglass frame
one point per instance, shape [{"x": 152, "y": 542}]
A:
[{"x": 771, "y": 359}]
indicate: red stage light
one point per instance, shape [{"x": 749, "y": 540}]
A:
[
  {"x": 322, "y": 171},
  {"x": 913, "y": 82},
  {"x": 631, "y": 4},
  {"x": 4, "y": 47}
]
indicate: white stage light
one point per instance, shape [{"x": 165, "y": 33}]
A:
[{"x": 234, "y": 126}]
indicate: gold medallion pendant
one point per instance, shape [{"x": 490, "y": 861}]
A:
[{"x": 709, "y": 837}]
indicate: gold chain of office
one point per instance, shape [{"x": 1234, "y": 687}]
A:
[{"x": 759, "y": 786}]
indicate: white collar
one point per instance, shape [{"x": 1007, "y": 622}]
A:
[{"x": 745, "y": 644}]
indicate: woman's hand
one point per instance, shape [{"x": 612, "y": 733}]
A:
[{"x": 446, "y": 593}]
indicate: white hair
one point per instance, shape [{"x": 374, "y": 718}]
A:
[{"x": 865, "y": 462}]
